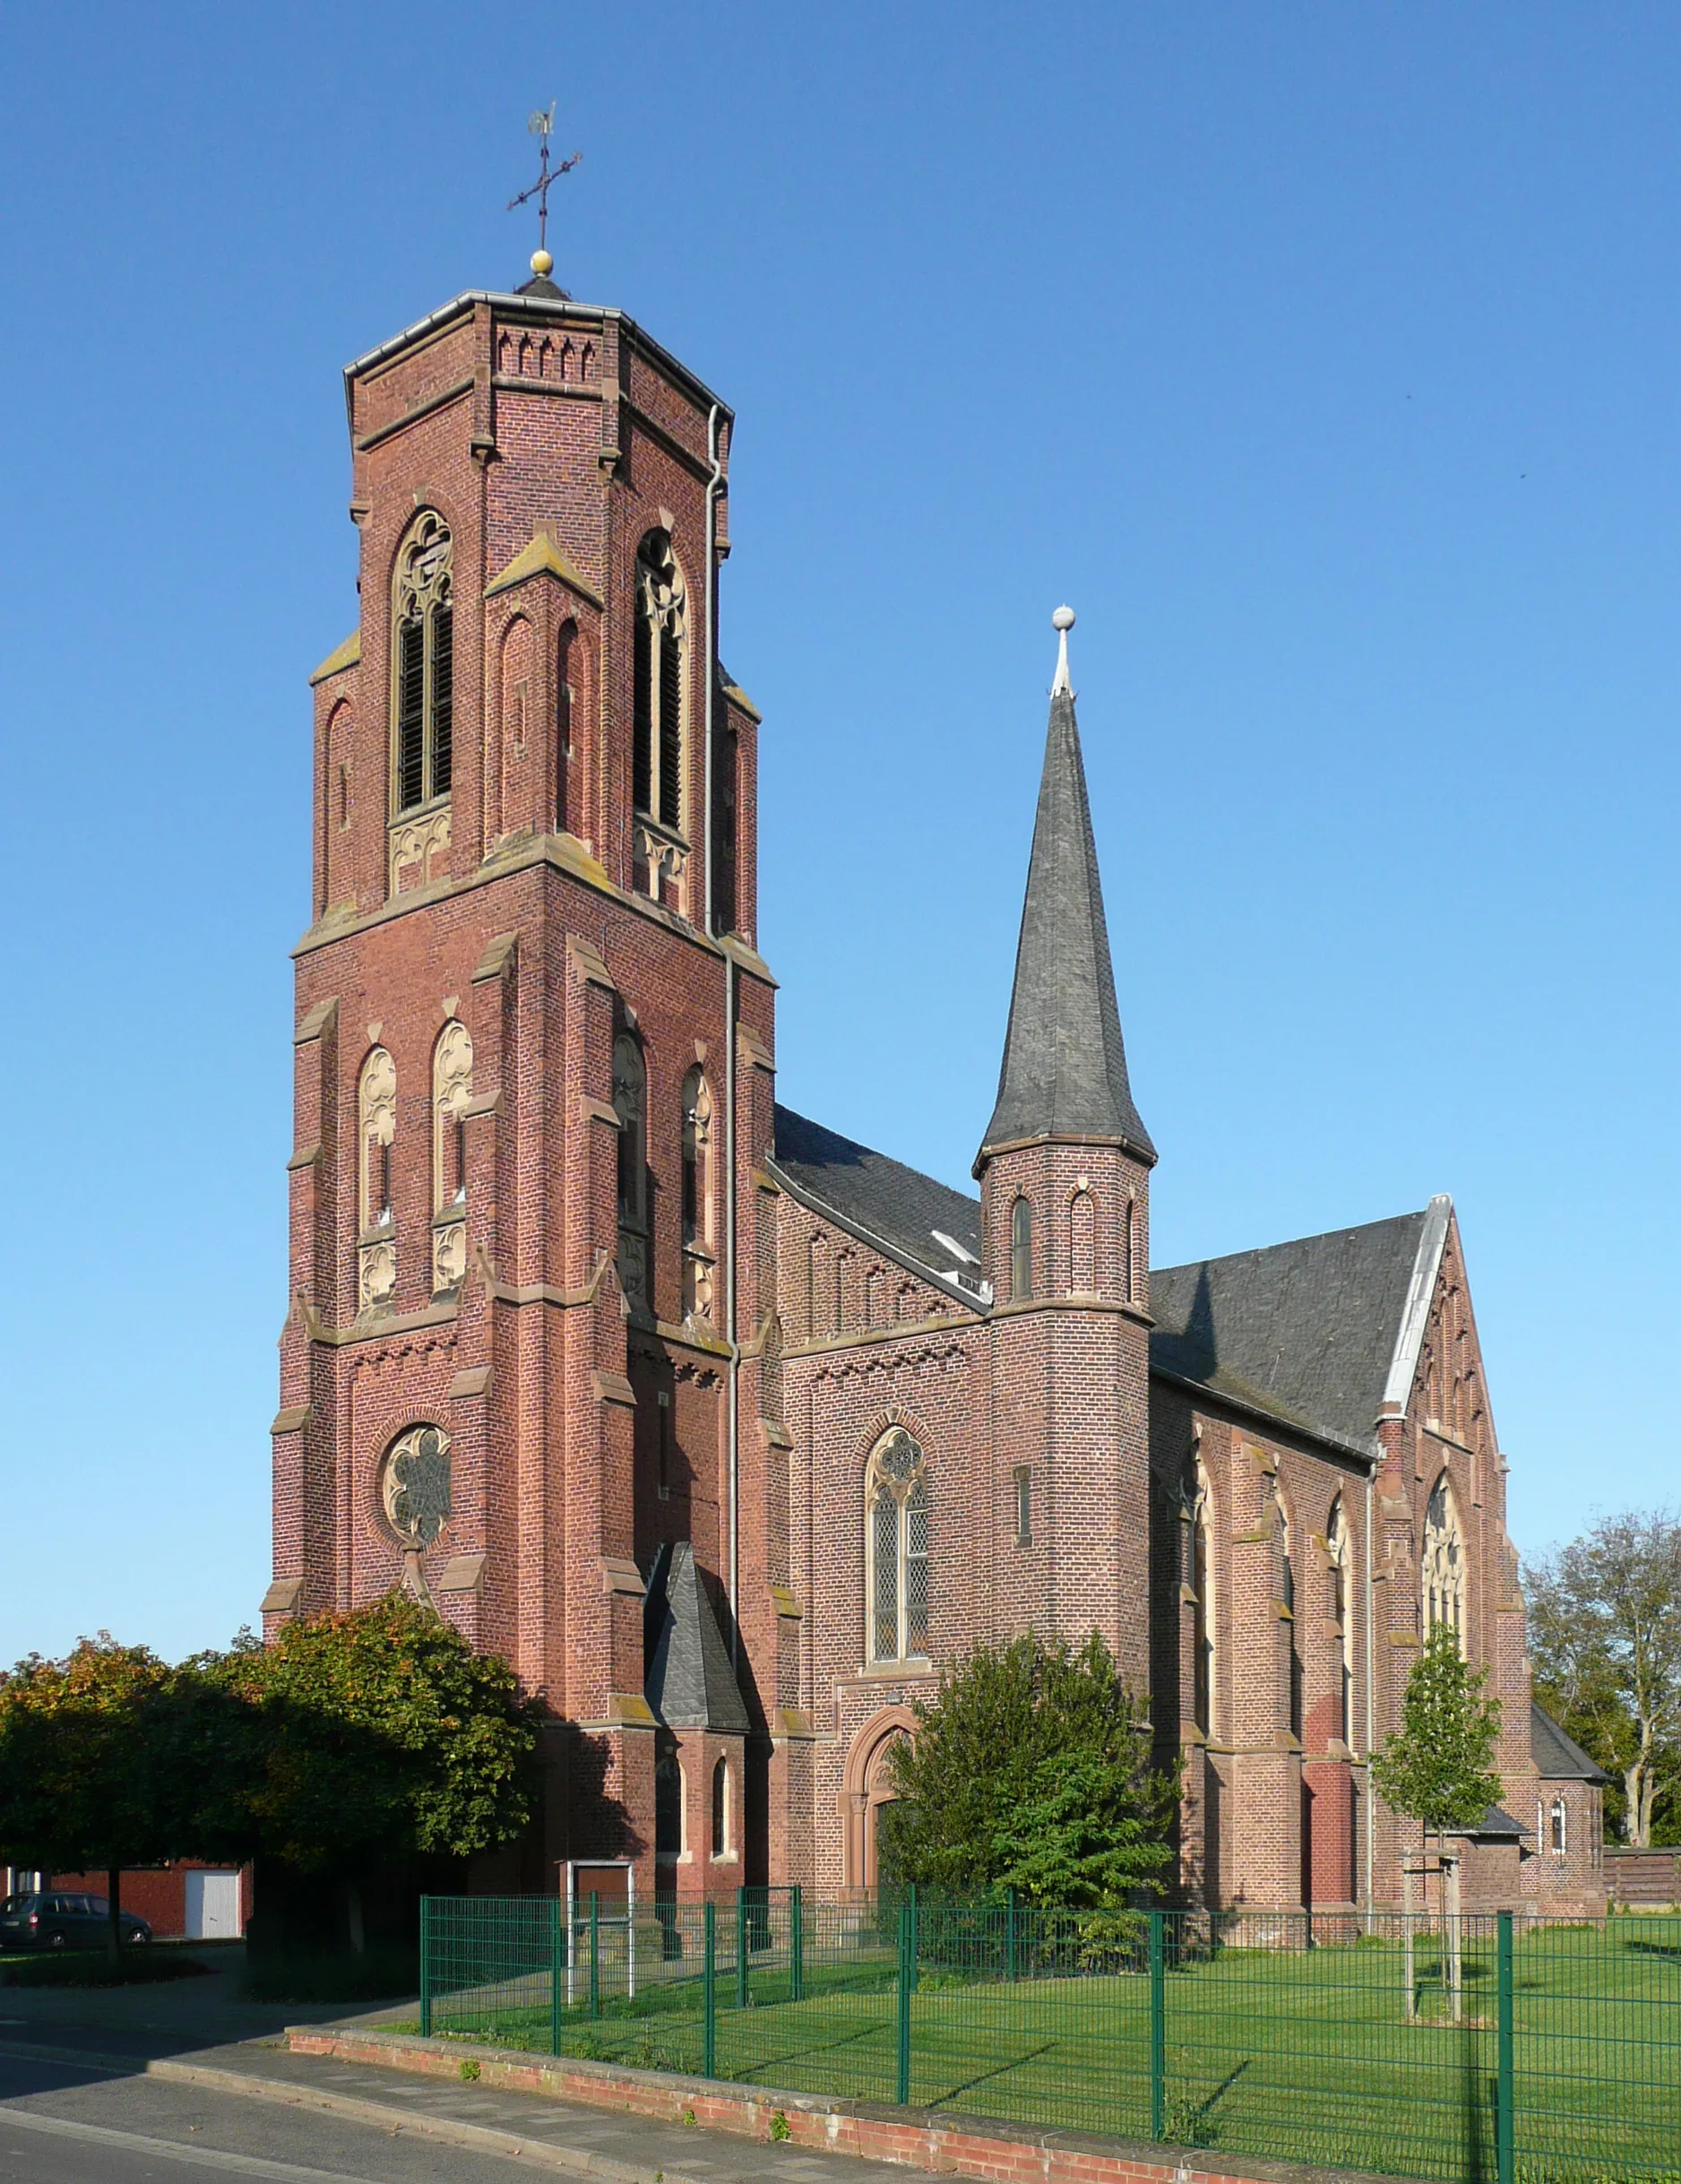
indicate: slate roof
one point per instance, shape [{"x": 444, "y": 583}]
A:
[
  {"x": 876, "y": 1198},
  {"x": 1559, "y": 1757},
  {"x": 1304, "y": 1330},
  {"x": 687, "y": 1679},
  {"x": 1064, "y": 1065},
  {"x": 1498, "y": 1825}
]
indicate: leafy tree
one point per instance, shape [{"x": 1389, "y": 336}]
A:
[
  {"x": 1030, "y": 1770},
  {"x": 1438, "y": 1768},
  {"x": 381, "y": 1731},
  {"x": 1605, "y": 1633},
  {"x": 81, "y": 1784},
  {"x": 372, "y": 1735}
]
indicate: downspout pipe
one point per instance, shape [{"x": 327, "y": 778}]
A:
[{"x": 732, "y": 1384}]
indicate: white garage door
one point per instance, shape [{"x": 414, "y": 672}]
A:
[{"x": 213, "y": 1906}]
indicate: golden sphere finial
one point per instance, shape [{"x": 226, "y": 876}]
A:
[{"x": 542, "y": 264}]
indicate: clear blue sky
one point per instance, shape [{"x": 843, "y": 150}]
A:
[{"x": 1324, "y": 358}]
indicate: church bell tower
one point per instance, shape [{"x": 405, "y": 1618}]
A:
[{"x": 533, "y": 1041}]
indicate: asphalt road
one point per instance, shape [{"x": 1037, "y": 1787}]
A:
[{"x": 64, "y": 2125}]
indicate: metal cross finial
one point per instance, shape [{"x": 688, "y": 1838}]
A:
[{"x": 542, "y": 125}]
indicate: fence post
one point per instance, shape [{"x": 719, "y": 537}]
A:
[
  {"x": 1158, "y": 2032},
  {"x": 741, "y": 1948},
  {"x": 795, "y": 1945},
  {"x": 595, "y": 1953},
  {"x": 1009, "y": 1934},
  {"x": 556, "y": 1969},
  {"x": 709, "y": 1991},
  {"x": 426, "y": 1967},
  {"x": 1505, "y": 2133},
  {"x": 906, "y": 1953},
  {"x": 914, "y": 1934}
]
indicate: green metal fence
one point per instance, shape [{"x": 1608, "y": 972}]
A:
[{"x": 1513, "y": 2051}]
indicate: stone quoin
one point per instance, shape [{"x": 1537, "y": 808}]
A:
[{"x": 726, "y": 1430}]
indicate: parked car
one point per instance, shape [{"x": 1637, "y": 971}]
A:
[{"x": 54, "y": 1919}]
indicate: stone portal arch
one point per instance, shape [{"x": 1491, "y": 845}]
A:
[{"x": 866, "y": 1789}]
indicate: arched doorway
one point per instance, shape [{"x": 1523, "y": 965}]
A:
[{"x": 866, "y": 1787}]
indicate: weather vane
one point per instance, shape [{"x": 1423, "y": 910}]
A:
[{"x": 542, "y": 125}]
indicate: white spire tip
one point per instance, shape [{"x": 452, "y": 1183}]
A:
[{"x": 1062, "y": 622}]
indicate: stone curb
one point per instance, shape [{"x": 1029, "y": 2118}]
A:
[{"x": 936, "y": 2143}]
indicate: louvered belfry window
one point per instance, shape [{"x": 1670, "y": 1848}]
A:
[
  {"x": 659, "y": 756},
  {"x": 423, "y": 667},
  {"x": 896, "y": 1548}
]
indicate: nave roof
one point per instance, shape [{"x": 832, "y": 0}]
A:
[{"x": 1317, "y": 1333}]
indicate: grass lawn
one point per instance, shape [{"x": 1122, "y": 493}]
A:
[{"x": 1302, "y": 2055}]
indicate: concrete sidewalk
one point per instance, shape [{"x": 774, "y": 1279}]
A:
[{"x": 551, "y": 2135}]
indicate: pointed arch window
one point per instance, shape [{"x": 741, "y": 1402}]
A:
[
  {"x": 630, "y": 1104},
  {"x": 721, "y": 1815},
  {"x": 1083, "y": 1246},
  {"x": 376, "y": 1132},
  {"x": 1444, "y": 1573},
  {"x": 1200, "y": 1577},
  {"x": 1337, "y": 1554},
  {"x": 896, "y": 1548},
  {"x": 698, "y": 1259},
  {"x": 1558, "y": 1826},
  {"x": 658, "y": 684},
  {"x": 1021, "y": 1250},
  {"x": 1286, "y": 1591},
  {"x": 423, "y": 667},
  {"x": 451, "y": 1089}
]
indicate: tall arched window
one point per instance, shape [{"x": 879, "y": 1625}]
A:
[
  {"x": 451, "y": 1089},
  {"x": 630, "y": 1104},
  {"x": 1201, "y": 1581},
  {"x": 1287, "y": 1589},
  {"x": 1558, "y": 1826},
  {"x": 658, "y": 684},
  {"x": 376, "y": 1131},
  {"x": 423, "y": 667},
  {"x": 1337, "y": 1552},
  {"x": 1443, "y": 1586},
  {"x": 1128, "y": 1248},
  {"x": 568, "y": 697},
  {"x": 698, "y": 1256},
  {"x": 896, "y": 1548},
  {"x": 1083, "y": 1246},
  {"x": 721, "y": 1815},
  {"x": 1021, "y": 1250}
]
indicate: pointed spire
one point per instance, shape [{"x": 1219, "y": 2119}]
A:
[{"x": 1064, "y": 1065}]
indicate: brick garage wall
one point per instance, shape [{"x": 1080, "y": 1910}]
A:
[{"x": 157, "y": 1894}]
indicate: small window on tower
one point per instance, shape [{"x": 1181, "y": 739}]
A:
[
  {"x": 1021, "y": 1250},
  {"x": 1023, "y": 1506}
]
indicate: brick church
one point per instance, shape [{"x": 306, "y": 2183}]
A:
[{"x": 726, "y": 1430}]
